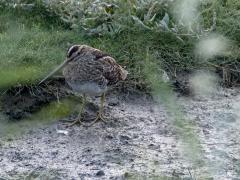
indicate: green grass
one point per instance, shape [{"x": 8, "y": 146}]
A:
[
  {"x": 28, "y": 47},
  {"x": 39, "y": 38},
  {"x": 40, "y": 47}
]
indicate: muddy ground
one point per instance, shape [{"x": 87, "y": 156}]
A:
[{"x": 138, "y": 141}]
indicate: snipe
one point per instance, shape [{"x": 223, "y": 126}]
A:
[{"x": 89, "y": 71}]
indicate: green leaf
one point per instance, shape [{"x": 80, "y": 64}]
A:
[{"x": 139, "y": 22}]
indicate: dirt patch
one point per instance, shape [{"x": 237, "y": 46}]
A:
[
  {"x": 22, "y": 101},
  {"x": 137, "y": 141},
  {"x": 217, "y": 123}
]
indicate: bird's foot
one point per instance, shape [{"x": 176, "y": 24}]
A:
[
  {"x": 72, "y": 123},
  {"x": 99, "y": 117}
]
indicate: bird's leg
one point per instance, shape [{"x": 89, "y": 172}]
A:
[
  {"x": 99, "y": 116},
  {"x": 79, "y": 117},
  {"x": 100, "y": 112}
]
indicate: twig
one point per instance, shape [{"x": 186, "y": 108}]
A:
[
  {"x": 214, "y": 25},
  {"x": 215, "y": 65}
]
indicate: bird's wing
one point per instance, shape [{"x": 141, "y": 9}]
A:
[
  {"x": 85, "y": 71},
  {"x": 111, "y": 70},
  {"x": 95, "y": 52}
]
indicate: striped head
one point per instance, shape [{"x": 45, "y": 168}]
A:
[{"x": 74, "y": 51}]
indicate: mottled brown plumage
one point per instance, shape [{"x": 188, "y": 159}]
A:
[
  {"x": 90, "y": 65},
  {"x": 90, "y": 71}
]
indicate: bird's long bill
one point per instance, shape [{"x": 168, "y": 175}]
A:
[{"x": 54, "y": 71}]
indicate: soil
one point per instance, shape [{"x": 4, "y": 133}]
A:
[
  {"x": 21, "y": 101},
  {"x": 137, "y": 141}
]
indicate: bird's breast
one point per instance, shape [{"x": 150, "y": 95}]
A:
[
  {"x": 89, "y": 88},
  {"x": 84, "y": 77}
]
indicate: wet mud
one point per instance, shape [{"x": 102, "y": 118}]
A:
[{"x": 137, "y": 141}]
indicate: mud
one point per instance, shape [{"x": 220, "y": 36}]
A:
[
  {"x": 137, "y": 141},
  {"x": 21, "y": 101}
]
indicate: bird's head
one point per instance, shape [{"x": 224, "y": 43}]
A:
[{"x": 72, "y": 53}]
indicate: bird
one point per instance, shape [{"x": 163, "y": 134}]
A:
[{"x": 90, "y": 72}]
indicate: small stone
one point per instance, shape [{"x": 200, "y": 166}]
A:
[
  {"x": 113, "y": 103},
  {"x": 124, "y": 138},
  {"x": 9, "y": 139},
  {"x": 64, "y": 132},
  {"x": 100, "y": 173},
  {"x": 151, "y": 145},
  {"x": 88, "y": 149},
  {"x": 109, "y": 137},
  {"x": 54, "y": 153}
]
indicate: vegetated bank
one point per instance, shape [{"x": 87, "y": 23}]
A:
[{"x": 34, "y": 39}]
